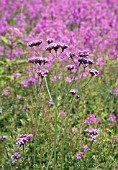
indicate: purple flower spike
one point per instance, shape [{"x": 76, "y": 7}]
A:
[
  {"x": 34, "y": 43},
  {"x": 23, "y": 139},
  {"x": 93, "y": 72},
  {"x": 73, "y": 91}
]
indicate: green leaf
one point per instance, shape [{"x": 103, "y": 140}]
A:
[{"x": 5, "y": 40}]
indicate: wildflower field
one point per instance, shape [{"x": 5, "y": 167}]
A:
[{"x": 59, "y": 85}]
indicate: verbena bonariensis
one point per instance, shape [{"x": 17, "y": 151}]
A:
[{"x": 56, "y": 49}]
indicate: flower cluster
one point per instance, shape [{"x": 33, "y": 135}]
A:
[
  {"x": 92, "y": 132},
  {"x": 34, "y": 43},
  {"x": 55, "y": 46},
  {"x": 38, "y": 60},
  {"x": 24, "y": 138}
]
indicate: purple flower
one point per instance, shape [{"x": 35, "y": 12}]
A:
[
  {"x": 70, "y": 67},
  {"x": 71, "y": 55},
  {"x": 23, "y": 139},
  {"x": 24, "y": 83},
  {"x": 79, "y": 155},
  {"x": 77, "y": 96},
  {"x": 15, "y": 156},
  {"x": 38, "y": 60},
  {"x": 116, "y": 91},
  {"x": 112, "y": 117},
  {"x": 15, "y": 75},
  {"x": 31, "y": 80},
  {"x": 53, "y": 46},
  {"x": 2, "y": 138},
  {"x": 50, "y": 102},
  {"x": 19, "y": 96},
  {"x": 61, "y": 113},
  {"x": 83, "y": 53},
  {"x": 43, "y": 73},
  {"x": 92, "y": 138},
  {"x": 92, "y": 131},
  {"x": 68, "y": 79},
  {"x": 85, "y": 148},
  {"x": 34, "y": 43},
  {"x": 73, "y": 91},
  {"x": 50, "y": 40},
  {"x": 93, "y": 72},
  {"x": 63, "y": 46}
]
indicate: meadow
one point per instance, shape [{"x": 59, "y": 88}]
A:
[{"x": 59, "y": 85}]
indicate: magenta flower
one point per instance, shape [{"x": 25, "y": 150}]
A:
[
  {"x": 68, "y": 79},
  {"x": 15, "y": 75},
  {"x": 23, "y": 139},
  {"x": 112, "y": 117},
  {"x": 85, "y": 148},
  {"x": 50, "y": 102},
  {"x": 79, "y": 155},
  {"x": 61, "y": 113},
  {"x": 116, "y": 91},
  {"x": 19, "y": 96},
  {"x": 24, "y": 83}
]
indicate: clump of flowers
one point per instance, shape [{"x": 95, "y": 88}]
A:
[{"x": 24, "y": 138}]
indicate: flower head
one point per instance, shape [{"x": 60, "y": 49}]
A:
[
  {"x": 2, "y": 138},
  {"x": 34, "y": 43},
  {"x": 93, "y": 72},
  {"x": 112, "y": 117},
  {"x": 23, "y": 139},
  {"x": 92, "y": 131},
  {"x": 15, "y": 156},
  {"x": 85, "y": 148},
  {"x": 73, "y": 91},
  {"x": 79, "y": 155}
]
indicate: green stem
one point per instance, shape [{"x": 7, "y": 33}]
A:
[
  {"x": 35, "y": 126},
  {"x": 56, "y": 113}
]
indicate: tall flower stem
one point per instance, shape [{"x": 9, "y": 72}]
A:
[
  {"x": 56, "y": 114},
  {"x": 35, "y": 124}
]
